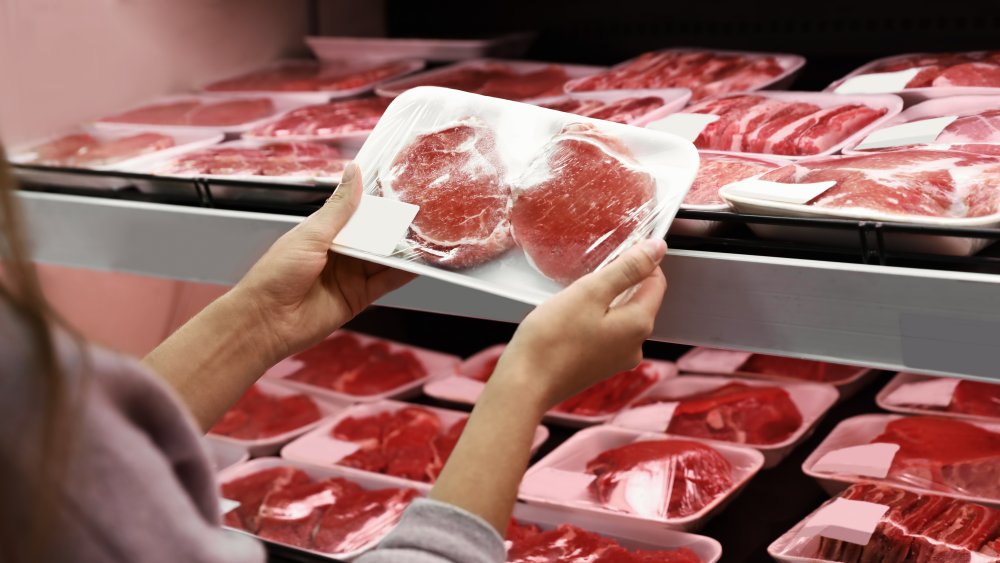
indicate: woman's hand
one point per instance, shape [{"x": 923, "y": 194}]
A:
[{"x": 301, "y": 291}]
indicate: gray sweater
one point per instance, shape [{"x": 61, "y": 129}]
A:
[{"x": 137, "y": 484}]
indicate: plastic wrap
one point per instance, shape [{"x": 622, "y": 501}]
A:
[
  {"x": 632, "y": 107},
  {"x": 771, "y": 417},
  {"x": 483, "y": 171},
  {"x": 511, "y": 80},
  {"x": 349, "y": 366},
  {"x": 327, "y": 79},
  {"x": 970, "y": 399},
  {"x": 938, "y": 74},
  {"x": 319, "y": 511},
  {"x": 623, "y": 474},
  {"x": 594, "y": 405},
  {"x": 937, "y": 455},
  {"x": 870, "y": 522},
  {"x": 791, "y": 124},
  {"x": 705, "y": 72},
  {"x": 345, "y": 121},
  {"x": 406, "y": 443}
]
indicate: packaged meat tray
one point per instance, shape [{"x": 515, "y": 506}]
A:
[
  {"x": 269, "y": 416},
  {"x": 408, "y": 444},
  {"x": 945, "y": 456},
  {"x": 870, "y": 522},
  {"x": 706, "y": 72},
  {"x": 317, "y": 510},
  {"x": 913, "y": 186},
  {"x": 715, "y": 171},
  {"x": 224, "y": 454},
  {"x": 346, "y": 121},
  {"x": 627, "y": 476},
  {"x": 712, "y": 361},
  {"x": 438, "y": 50},
  {"x": 318, "y": 81},
  {"x": 943, "y": 396},
  {"x": 355, "y": 367},
  {"x": 507, "y": 164},
  {"x": 931, "y": 75},
  {"x": 975, "y": 128},
  {"x": 772, "y": 418},
  {"x": 595, "y": 405},
  {"x": 203, "y": 112},
  {"x": 631, "y": 107},
  {"x": 537, "y": 534},
  {"x": 95, "y": 149},
  {"x": 499, "y": 78},
  {"x": 793, "y": 125}
]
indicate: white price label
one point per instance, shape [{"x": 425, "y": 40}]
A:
[
  {"x": 852, "y": 521},
  {"x": 377, "y": 226},
  {"x": 936, "y": 392},
  {"x": 799, "y": 194},
  {"x": 226, "y": 505},
  {"x": 654, "y": 417},
  {"x": 920, "y": 132},
  {"x": 685, "y": 125},
  {"x": 558, "y": 484},
  {"x": 878, "y": 83},
  {"x": 868, "y": 460}
]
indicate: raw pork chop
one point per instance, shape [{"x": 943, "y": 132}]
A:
[
  {"x": 734, "y": 412},
  {"x": 341, "y": 363},
  {"x": 570, "y": 544},
  {"x": 931, "y": 183},
  {"x": 308, "y": 77},
  {"x": 258, "y": 415},
  {"x": 579, "y": 202},
  {"x": 718, "y": 170},
  {"x": 661, "y": 478},
  {"x": 273, "y": 159},
  {"x": 335, "y": 118},
  {"x": 976, "y": 68},
  {"x": 84, "y": 150},
  {"x": 612, "y": 394},
  {"x": 945, "y": 454},
  {"x": 456, "y": 177}
]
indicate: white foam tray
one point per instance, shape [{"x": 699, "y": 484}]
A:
[
  {"x": 904, "y": 378},
  {"x": 813, "y": 400},
  {"x": 573, "y": 455},
  {"x": 674, "y": 100},
  {"x": 224, "y": 454},
  {"x": 314, "y": 448},
  {"x": 441, "y": 50}
]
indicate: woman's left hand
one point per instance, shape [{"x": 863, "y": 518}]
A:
[{"x": 300, "y": 291}]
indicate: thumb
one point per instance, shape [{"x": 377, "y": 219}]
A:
[
  {"x": 326, "y": 222},
  {"x": 627, "y": 270}
]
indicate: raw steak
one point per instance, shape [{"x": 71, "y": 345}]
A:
[
  {"x": 250, "y": 491},
  {"x": 198, "y": 113},
  {"x": 257, "y": 415},
  {"x": 612, "y": 394},
  {"x": 579, "y": 201},
  {"x": 717, "y": 170},
  {"x": 85, "y": 150},
  {"x": 706, "y": 73},
  {"x": 625, "y": 110},
  {"x": 930, "y": 183},
  {"x": 306, "y": 77},
  {"x": 456, "y": 177},
  {"x": 343, "y": 364},
  {"x": 290, "y": 515},
  {"x": 570, "y": 544},
  {"x": 977, "y": 68},
  {"x": 65, "y": 150},
  {"x": 976, "y": 398},
  {"x": 765, "y": 125},
  {"x": 945, "y": 454},
  {"x": 660, "y": 479},
  {"x": 274, "y": 159},
  {"x": 499, "y": 80},
  {"x": 795, "y": 368},
  {"x": 336, "y": 118},
  {"x": 734, "y": 412},
  {"x": 366, "y": 520}
]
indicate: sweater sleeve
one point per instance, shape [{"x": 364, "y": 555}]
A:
[{"x": 435, "y": 532}]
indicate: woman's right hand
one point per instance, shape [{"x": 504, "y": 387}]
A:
[{"x": 577, "y": 338}]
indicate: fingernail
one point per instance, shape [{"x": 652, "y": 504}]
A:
[
  {"x": 655, "y": 248},
  {"x": 350, "y": 172}
]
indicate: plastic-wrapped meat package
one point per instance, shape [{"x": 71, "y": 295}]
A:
[
  {"x": 914, "y": 528},
  {"x": 734, "y": 412},
  {"x": 327, "y": 121},
  {"x": 660, "y": 479},
  {"x": 705, "y": 73},
  {"x": 625, "y": 110},
  {"x": 260, "y": 415},
  {"x": 335, "y": 516},
  {"x": 927, "y": 183},
  {"x": 197, "y": 112},
  {"x": 269, "y": 159},
  {"x": 976, "y": 398},
  {"x": 769, "y": 125},
  {"x": 977, "y": 69},
  {"x": 346, "y": 365},
  {"x": 571, "y": 544},
  {"x": 496, "y": 79},
  {"x": 307, "y": 76},
  {"x": 718, "y": 170},
  {"x": 84, "y": 150},
  {"x": 612, "y": 394},
  {"x": 976, "y": 126}
]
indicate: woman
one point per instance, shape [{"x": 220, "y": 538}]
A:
[{"x": 100, "y": 458}]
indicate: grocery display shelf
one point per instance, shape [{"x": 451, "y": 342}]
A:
[{"x": 922, "y": 313}]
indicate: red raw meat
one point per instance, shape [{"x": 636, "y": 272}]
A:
[
  {"x": 456, "y": 177},
  {"x": 976, "y": 398},
  {"x": 340, "y": 353},
  {"x": 309, "y": 78},
  {"x": 970, "y": 74},
  {"x": 570, "y": 544},
  {"x": 196, "y": 113},
  {"x": 575, "y": 105},
  {"x": 336, "y": 118},
  {"x": 579, "y": 202},
  {"x": 444, "y": 444},
  {"x": 257, "y": 415},
  {"x": 977, "y": 68},
  {"x": 342, "y": 364},
  {"x": 717, "y": 171},
  {"x": 290, "y": 515},
  {"x": 172, "y": 113},
  {"x": 486, "y": 370},
  {"x": 706, "y": 73},
  {"x": 365, "y": 520},
  {"x": 945, "y": 454},
  {"x": 983, "y": 127},
  {"x": 250, "y": 491},
  {"x": 735, "y": 412},
  {"x": 84, "y": 150},
  {"x": 500, "y": 81},
  {"x": 660, "y": 478},
  {"x": 274, "y": 159},
  {"x": 612, "y": 394},
  {"x": 767, "y": 125},
  {"x": 625, "y": 110},
  {"x": 65, "y": 150},
  {"x": 933, "y": 183}
]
